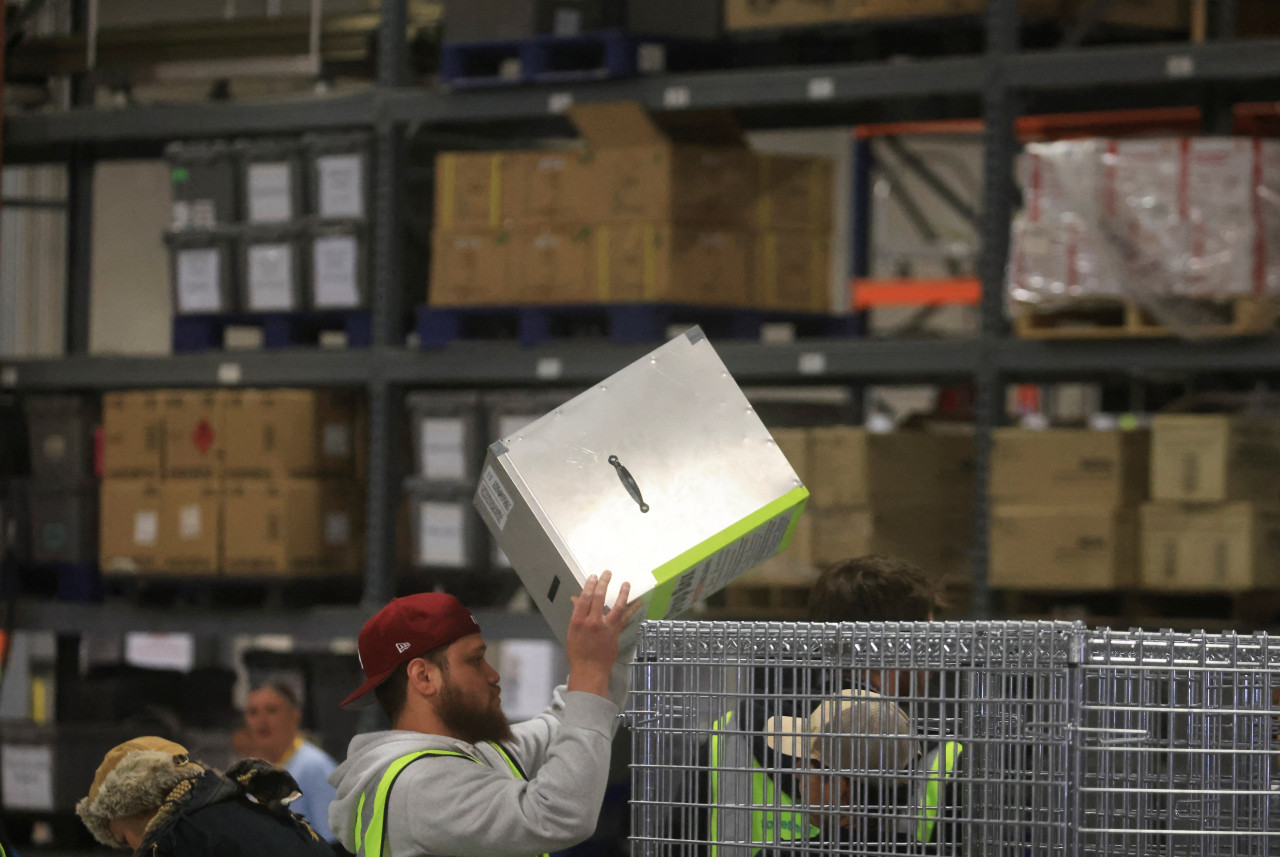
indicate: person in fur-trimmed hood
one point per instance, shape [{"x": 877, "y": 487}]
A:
[{"x": 149, "y": 796}]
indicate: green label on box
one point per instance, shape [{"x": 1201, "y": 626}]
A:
[{"x": 180, "y": 174}]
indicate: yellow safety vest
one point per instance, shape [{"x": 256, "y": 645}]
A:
[
  {"x": 943, "y": 766},
  {"x": 769, "y": 824},
  {"x": 369, "y": 844}
]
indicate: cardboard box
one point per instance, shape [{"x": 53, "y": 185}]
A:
[
  {"x": 193, "y": 433},
  {"x": 677, "y": 264},
  {"x": 470, "y": 268},
  {"x": 290, "y": 433},
  {"x": 470, "y": 191},
  {"x": 543, "y": 188},
  {"x": 129, "y": 532},
  {"x": 793, "y": 271},
  {"x": 687, "y": 167},
  {"x": 1063, "y": 548},
  {"x": 132, "y": 435},
  {"x": 1070, "y": 467},
  {"x": 662, "y": 473},
  {"x": 1209, "y": 458},
  {"x": 554, "y": 264},
  {"x": 292, "y": 527},
  {"x": 936, "y": 539},
  {"x": 753, "y": 15},
  {"x": 854, "y": 468},
  {"x": 190, "y": 527},
  {"x": 1210, "y": 548},
  {"x": 796, "y": 193}
]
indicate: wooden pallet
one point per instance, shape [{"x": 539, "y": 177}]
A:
[
  {"x": 1115, "y": 319},
  {"x": 279, "y": 330}
]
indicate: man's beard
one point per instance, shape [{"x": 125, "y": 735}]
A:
[{"x": 472, "y": 724}]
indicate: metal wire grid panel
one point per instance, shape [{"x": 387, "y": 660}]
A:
[
  {"x": 1177, "y": 749},
  {"x": 894, "y": 738}
]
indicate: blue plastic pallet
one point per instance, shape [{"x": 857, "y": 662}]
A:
[
  {"x": 279, "y": 330},
  {"x": 616, "y": 323},
  {"x": 600, "y": 55}
]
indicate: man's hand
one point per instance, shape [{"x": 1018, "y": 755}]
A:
[{"x": 592, "y": 642}]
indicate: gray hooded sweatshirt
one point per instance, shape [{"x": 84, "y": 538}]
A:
[{"x": 446, "y": 806}]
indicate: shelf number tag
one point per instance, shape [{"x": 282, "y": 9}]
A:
[
  {"x": 548, "y": 368},
  {"x": 1180, "y": 65},
  {"x": 676, "y": 97},
  {"x": 9, "y": 376},
  {"x": 821, "y": 88},
  {"x": 229, "y": 373},
  {"x": 813, "y": 363},
  {"x": 559, "y": 102}
]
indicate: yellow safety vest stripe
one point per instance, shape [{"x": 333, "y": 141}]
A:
[{"x": 943, "y": 766}]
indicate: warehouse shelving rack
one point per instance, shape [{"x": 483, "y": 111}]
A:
[{"x": 996, "y": 86}]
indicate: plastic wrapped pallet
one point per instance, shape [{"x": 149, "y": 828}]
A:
[{"x": 1149, "y": 221}]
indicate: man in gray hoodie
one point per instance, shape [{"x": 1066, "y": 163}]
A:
[{"x": 452, "y": 778}]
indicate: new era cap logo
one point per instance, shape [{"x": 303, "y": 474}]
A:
[{"x": 402, "y": 647}]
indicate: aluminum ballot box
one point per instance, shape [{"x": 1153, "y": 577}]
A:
[{"x": 662, "y": 474}]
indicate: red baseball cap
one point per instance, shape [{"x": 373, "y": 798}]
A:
[{"x": 408, "y": 628}]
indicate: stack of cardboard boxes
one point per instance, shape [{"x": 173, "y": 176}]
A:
[
  {"x": 661, "y": 209},
  {"x": 1065, "y": 508},
  {"x": 240, "y": 483},
  {"x": 1213, "y": 523},
  {"x": 907, "y": 494}
]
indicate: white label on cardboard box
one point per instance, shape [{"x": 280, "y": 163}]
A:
[
  {"x": 199, "y": 272},
  {"x": 28, "y": 777},
  {"x": 443, "y": 450},
  {"x": 336, "y": 440},
  {"x": 440, "y": 531},
  {"x": 146, "y": 524},
  {"x": 495, "y": 498},
  {"x": 190, "y": 522},
  {"x": 335, "y": 278},
  {"x": 717, "y": 570},
  {"x": 271, "y": 277},
  {"x": 341, "y": 180},
  {"x": 270, "y": 200},
  {"x": 337, "y": 528}
]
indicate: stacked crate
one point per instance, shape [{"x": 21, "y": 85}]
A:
[
  {"x": 649, "y": 210},
  {"x": 1213, "y": 523},
  {"x": 249, "y": 483},
  {"x": 62, "y": 493},
  {"x": 1065, "y": 504},
  {"x": 270, "y": 225},
  {"x": 907, "y": 494}
]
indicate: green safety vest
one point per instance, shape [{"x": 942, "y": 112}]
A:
[
  {"x": 768, "y": 826},
  {"x": 370, "y": 843}
]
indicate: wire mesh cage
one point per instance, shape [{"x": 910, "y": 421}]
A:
[
  {"x": 1178, "y": 748},
  {"x": 882, "y": 738},
  {"x": 990, "y": 738}
]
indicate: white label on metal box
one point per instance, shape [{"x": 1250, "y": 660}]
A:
[
  {"x": 336, "y": 440},
  {"x": 28, "y": 777},
  {"x": 336, "y": 280},
  {"x": 495, "y": 498},
  {"x": 341, "y": 180},
  {"x": 190, "y": 525},
  {"x": 146, "y": 525},
  {"x": 270, "y": 198},
  {"x": 715, "y": 572},
  {"x": 199, "y": 273},
  {"x": 271, "y": 277},
  {"x": 337, "y": 528},
  {"x": 440, "y": 534},
  {"x": 444, "y": 454}
]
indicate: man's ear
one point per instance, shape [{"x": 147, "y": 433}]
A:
[{"x": 424, "y": 677}]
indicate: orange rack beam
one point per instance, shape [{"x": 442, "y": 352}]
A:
[{"x": 866, "y": 293}]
